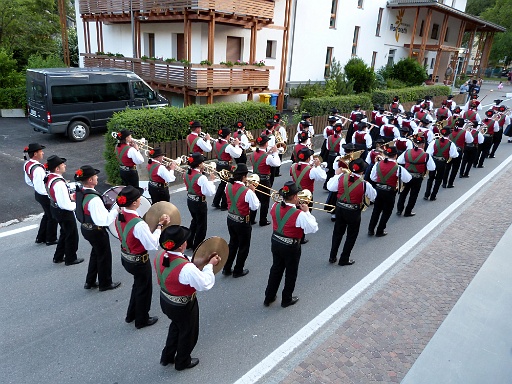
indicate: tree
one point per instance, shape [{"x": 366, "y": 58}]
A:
[
  {"x": 337, "y": 83},
  {"x": 361, "y": 74},
  {"x": 476, "y": 7},
  {"x": 9, "y": 76},
  {"x": 501, "y": 13}
]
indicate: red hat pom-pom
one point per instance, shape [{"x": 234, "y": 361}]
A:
[
  {"x": 191, "y": 123},
  {"x": 121, "y": 199},
  {"x": 301, "y": 156},
  {"x": 220, "y": 131},
  {"x": 169, "y": 244},
  {"x": 240, "y": 125},
  {"x": 79, "y": 173},
  {"x": 259, "y": 139},
  {"x": 118, "y": 134},
  {"x": 285, "y": 189},
  {"x": 190, "y": 159},
  {"x": 25, "y": 149},
  {"x": 388, "y": 150},
  {"x": 45, "y": 165},
  {"x": 152, "y": 152},
  {"x": 355, "y": 167}
]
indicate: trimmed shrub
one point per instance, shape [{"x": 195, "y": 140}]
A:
[
  {"x": 409, "y": 94},
  {"x": 11, "y": 98},
  {"x": 320, "y": 106},
  {"x": 168, "y": 124},
  {"x": 361, "y": 74},
  {"x": 409, "y": 71}
]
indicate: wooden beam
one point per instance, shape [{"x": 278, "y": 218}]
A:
[
  {"x": 138, "y": 37},
  {"x": 415, "y": 26},
  {"x": 487, "y": 50},
  {"x": 188, "y": 31},
  {"x": 252, "y": 52},
  {"x": 211, "y": 38},
  {"x": 468, "y": 53},
  {"x": 284, "y": 55},
  {"x": 426, "y": 30},
  {"x": 97, "y": 36},
  {"x": 87, "y": 37},
  {"x": 272, "y": 26},
  {"x": 439, "y": 53}
]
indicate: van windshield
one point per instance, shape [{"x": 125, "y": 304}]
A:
[{"x": 142, "y": 91}]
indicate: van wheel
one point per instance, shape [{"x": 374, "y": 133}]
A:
[{"x": 78, "y": 131}]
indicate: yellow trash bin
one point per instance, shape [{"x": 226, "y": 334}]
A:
[{"x": 265, "y": 98}]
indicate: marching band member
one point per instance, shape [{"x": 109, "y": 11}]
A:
[
  {"x": 471, "y": 114},
  {"x": 403, "y": 143},
  {"x": 362, "y": 139},
  {"x": 304, "y": 128},
  {"x": 483, "y": 150},
  {"x": 244, "y": 141},
  {"x": 62, "y": 208},
  {"x": 241, "y": 201},
  {"x": 424, "y": 128},
  {"x": 417, "y": 162},
  {"x": 305, "y": 117},
  {"x": 450, "y": 103},
  {"x": 128, "y": 155},
  {"x": 350, "y": 191},
  {"x": 395, "y": 116},
  {"x": 284, "y": 135},
  {"x": 416, "y": 107},
  {"x": 198, "y": 187},
  {"x": 472, "y": 103},
  {"x": 303, "y": 139},
  {"x": 289, "y": 224},
  {"x": 396, "y": 105},
  {"x": 196, "y": 143},
  {"x": 328, "y": 131},
  {"x": 423, "y": 113},
  {"x": 429, "y": 103},
  {"x": 452, "y": 120},
  {"x": 371, "y": 158},
  {"x": 179, "y": 279},
  {"x": 159, "y": 176},
  {"x": 387, "y": 175},
  {"x": 357, "y": 113},
  {"x": 136, "y": 240},
  {"x": 503, "y": 123},
  {"x": 441, "y": 150},
  {"x": 34, "y": 177},
  {"x": 471, "y": 150},
  {"x": 334, "y": 146},
  {"x": 389, "y": 131},
  {"x": 261, "y": 162},
  {"x": 460, "y": 137},
  {"x": 225, "y": 151},
  {"x": 380, "y": 117},
  {"x": 409, "y": 123},
  {"x": 94, "y": 219},
  {"x": 374, "y": 113},
  {"x": 443, "y": 112}
]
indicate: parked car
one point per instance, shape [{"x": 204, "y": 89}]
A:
[
  {"x": 505, "y": 72},
  {"x": 75, "y": 100}
]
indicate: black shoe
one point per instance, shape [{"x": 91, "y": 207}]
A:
[
  {"x": 267, "y": 301},
  {"x": 371, "y": 233},
  {"x": 433, "y": 199},
  {"x": 165, "y": 362},
  {"x": 110, "y": 287},
  {"x": 461, "y": 176},
  {"x": 240, "y": 274},
  {"x": 77, "y": 261},
  {"x": 253, "y": 223},
  {"x": 333, "y": 219},
  {"x": 350, "y": 262},
  {"x": 304, "y": 241},
  {"x": 480, "y": 166},
  {"x": 89, "y": 286},
  {"x": 474, "y": 165},
  {"x": 278, "y": 175},
  {"x": 264, "y": 223},
  {"x": 425, "y": 197},
  {"x": 399, "y": 213},
  {"x": 444, "y": 185},
  {"x": 492, "y": 157},
  {"x": 52, "y": 242},
  {"x": 150, "y": 322},
  {"x": 58, "y": 261},
  {"x": 450, "y": 186},
  {"x": 193, "y": 362},
  {"x": 293, "y": 301},
  {"x": 129, "y": 319},
  {"x": 332, "y": 261},
  {"x": 223, "y": 208},
  {"x": 227, "y": 272},
  {"x": 39, "y": 241},
  {"x": 215, "y": 206},
  {"x": 465, "y": 176},
  {"x": 410, "y": 214},
  {"x": 381, "y": 234}
]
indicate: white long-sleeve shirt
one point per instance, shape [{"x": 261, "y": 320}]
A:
[
  {"x": 135, "y": 155},
  {"x": 453, "y": 149},
  {"x": 207, "y": 186},
  {"x": 99, "y": 214},
  {"x": 370, "y": 192},
  {"x": 316, "y": 173},
  {"x": 141, "y": 231},
  {"x": 204, "y": 145},
  {"x": 191, "y": 275},
  {"x": 62, "y": 197},
  {"x": 38, "y": 175},
  {"x": 401, "y": 172},
  {"x": 431, "y": 165},
  {"x": 232, "y": 150},
  {"x": 164, "y": 173},
  {"x": 305, "y": 220},
  {"x": 250, "y": 198}
]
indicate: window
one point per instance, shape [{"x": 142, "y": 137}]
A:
[
  {"x": 425, "y": 62},
  {"x": 421, "y": 28},
  {"x": 374, "y": 59},
  {"x": 334, "y": 9},
  {"x": 359, "y": 3},
  {"x": 271, "y": 49},
  {"x": 446, "y": 35},
  {"x": 142, "y": 91},
  {"x": 379, "y": 22},
  {"x": 180, "y": 46},
  {"x": 354, "y": 41},
  {"x": 233, "y": 49},
  {"x": 435, "y": 32},
  {"x": 150, "y": 49},
  {"x": 64, "y": 94},
  {"x": 328, "y": 61},
  {"x": 391, "y": 57},
  {"x": 110, "y": 92},
  {"x": 432, "y": 62}
]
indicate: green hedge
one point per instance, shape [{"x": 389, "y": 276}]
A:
[
  {"x": 319, "y": 106},
  {"x": 168, "y": 124},
  {"x": 11, "y": 98},
  {"x": 409, "y": 94}
]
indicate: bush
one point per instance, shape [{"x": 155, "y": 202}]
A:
[
  {"x": 11, "y": 98},
  {"x": 409, "y": 94},
  {"x": 307, "y": 90},
  {"x": 409, "y": 71},
  {"x": 168, "y": 124},
  {"x": 320, "y": 106},
  {"x": 362, "y": 75},
  {"x": 9, "y": 77},
  {"x": 395, "y": 84},
  {"x": 38, "y": 61}
]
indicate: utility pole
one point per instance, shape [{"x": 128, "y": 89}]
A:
[{"x": 64, "y": 32}]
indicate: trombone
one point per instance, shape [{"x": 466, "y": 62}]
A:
[
  {"x": 305, "y": 197},
  {"x": 211, "y": 168}
]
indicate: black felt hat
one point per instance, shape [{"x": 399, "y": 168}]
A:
[
  {"x": 262, "y": 140},
  {"x": 304, "y": 124},
  {"x": 305, "y": 153},
  {"x": 155, "y": 152},
  {"x": 240, "y": 169},
  {"x": 84, "y": 172},
  {"x": 348, "y": 147},
  {"x": 195, "y": 159},
  {"x": 357, "y": 165},
  {"x": 445, "y": 131},
  {"x": 33, "y": 147},
  {"x": 173, "y": 237},
  {"x": 224, "y": 132},
  {"x": 123, "y": 134},
  {"x": 240, "y": 124},
  {"x": 54, "y": 161},
  {"x": 303, "y": 136},
  {"x": 194, "y": 124},
  {"x": 390, "y": 151},
  {"x": 289, "y": 189},
  {"x": 128, "y": 195}
]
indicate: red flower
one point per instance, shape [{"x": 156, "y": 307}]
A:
[
  {"x": 191, "y": 123},
  {"x": 388, "y": 150},
  {"x": 276, "y": 117},
  {"x": 233, "y": 167},
  {"x": 25, "y": 149},
  {"x": 121, "y": 199},
  {"x": 190, "y": 159},
  {"x": 152, "y": 152},
  {"x": 301, "y": 156},
  {"x": 45, "y": 165},
  {"x": 169, "y": 244},
  {"x": 240, "y": 125},
  {"x": 79, "y": 173},
  {"x": 118, "y": 134},
  {"x": 355, "y": 167},
  {"x": 286, "y": 189},
  {"x": 259, "y": 139},
  {"x": 220, "y": 131}
]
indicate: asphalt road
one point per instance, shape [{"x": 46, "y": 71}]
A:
[{"x": 54, "y": 331}]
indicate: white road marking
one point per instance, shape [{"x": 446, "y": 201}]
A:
[
  {"x": 272, "y": 360},
  {"x": 19, "y": 230}
]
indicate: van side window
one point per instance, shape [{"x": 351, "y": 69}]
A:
[
  {"x": 64, "y": 94},
  {"x": 111, "y": 92},
  {"x": 141, "y": 91}
]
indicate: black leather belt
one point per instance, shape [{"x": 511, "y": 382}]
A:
[
  {"x": 91, "y": 227},
  {"x": 439, "y": 158},
  {"x": 223, "y": 162},
  {"x": 178, "y": 300},
  {"x": 285, "y": 240},
  {"x": 238, "y": 218},
  {"x": 158, "y": 185},
  {"x": 416, "y": 175},
  {"x": 264, "y": 177},
  {"x": 126, "y": 168},
  {"x": 353, "y": 207},
  {"x": 135, "y": 258},
  {"x": 384, "y": 187},
  {"x": 200, "y": 199}
]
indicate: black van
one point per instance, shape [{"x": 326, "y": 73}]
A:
[{"x": 75, "y": 100}]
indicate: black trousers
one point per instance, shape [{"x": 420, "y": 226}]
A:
[
  {"x": 220, "y": 194},
  {"x": 468, "y": 158},
  {"x": 158, "y": 194},
  {"x": 48, "y": 227},
  {"x": 451, "y": 170},
  {"x": 183, "y": 331},
  {"x": 330, "y": 167},
  {"x": 286, "y": 260},
  {"x": 382, "y": 208},
  {"x": 496, "y": 140},
  {"x": 239, "y": 244},
  {"x": 349, "y": 221},
  {"x": 277, "y": 170},
  {"x": 412, "y": 188},
  {"x": 483, "y": 151},
  {"x": 142, "y": 289},
  {"x": 100, "y": 261},
  {"x": 130, "y": 177},
  {"x": 242, "y": 158},
  {"x": 68, "y": 236},
  {"x": 264, "y": 201},
  {"x": 434, "y": 179},
  {"x": 198, "y": 226}
]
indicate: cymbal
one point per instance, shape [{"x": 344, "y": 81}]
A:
[
  {"x": 202, "y": 253},
  {"x": 154, "y": 213}
]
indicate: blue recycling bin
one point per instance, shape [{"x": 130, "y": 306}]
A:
[{"x": 273, "y": 99}]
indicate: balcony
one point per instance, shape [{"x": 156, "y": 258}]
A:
[
  {"x": 168, "y": 10},
  {"x": 190, "y": 79}
]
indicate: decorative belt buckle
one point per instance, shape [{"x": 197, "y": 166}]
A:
[{"x": 144, "y": 257}]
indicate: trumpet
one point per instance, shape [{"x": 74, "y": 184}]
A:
[
  {"x": 202, "y": 135},
  {"x": 305, "y": 197},
  {"x": 280, "y": 144},
  {"x": 211, "y": 168},
  {"x": 166, "y": 162},
  {"x": 322, "y": 165}
]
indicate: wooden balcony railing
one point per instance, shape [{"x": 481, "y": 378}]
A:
[
  {"x": 257, "y": 8},
  {"x": 192, "y": 76}
]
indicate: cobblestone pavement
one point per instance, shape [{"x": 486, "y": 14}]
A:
[{"x": 382, "y": 339}]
